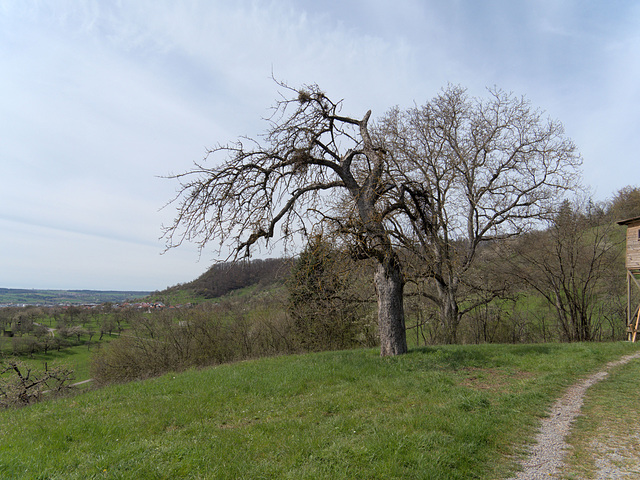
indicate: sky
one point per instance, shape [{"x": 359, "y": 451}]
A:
[{"x": 101, "y": 100}]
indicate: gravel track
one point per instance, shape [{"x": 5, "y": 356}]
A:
[
  {"x": 617, "y": 458},
  {"x": 546, "y": 456}
]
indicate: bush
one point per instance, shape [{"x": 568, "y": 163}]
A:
[
  {"x": 323, "y": 313},
  {"x": 327, "y": 303},
  {"x": 20, "y": 385},
  {"x": 209, "y": 334}
]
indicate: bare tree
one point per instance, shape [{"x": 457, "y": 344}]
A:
[
  {"x": 469, "y": 172},
  {"x": 570, "y": 265},
  {"x": 20, "y": 385},
  {"x": 432, "y": 183},
  {"x": 625, "y": 203},
  {"x": 310, "y": 153}
]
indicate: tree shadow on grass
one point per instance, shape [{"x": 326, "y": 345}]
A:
[{"x": 455, "y": 357}]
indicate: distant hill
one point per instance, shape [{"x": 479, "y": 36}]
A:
[
  {"x": 15, "y": 296},
  {"x": 224, "y": 278}
]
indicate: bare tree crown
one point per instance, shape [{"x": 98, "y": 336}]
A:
[{"x": 283, "y": 182}]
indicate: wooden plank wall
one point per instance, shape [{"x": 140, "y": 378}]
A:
[{"x": 633, "y": 247}]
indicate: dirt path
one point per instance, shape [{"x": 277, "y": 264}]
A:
[
  {"x": 49, "y": 329},
  {"x": 546, "y": 456}
]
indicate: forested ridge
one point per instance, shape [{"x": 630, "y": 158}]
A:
[{"x": 223, "y": 278}]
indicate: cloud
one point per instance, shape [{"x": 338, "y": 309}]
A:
[
  {"x": 50, "y": 257},
  {"x": 101, "y": 98}
]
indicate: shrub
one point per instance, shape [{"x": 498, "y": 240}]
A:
[
  {"x": 21, "y": 385},
  {"x": 326, "y": 301},
  {"x": 174, "y": 340}
]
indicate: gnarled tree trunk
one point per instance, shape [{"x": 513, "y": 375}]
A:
[{"x": 389, "y": 288}]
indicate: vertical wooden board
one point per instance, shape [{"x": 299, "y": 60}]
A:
[{"x": 633, "y": 246}]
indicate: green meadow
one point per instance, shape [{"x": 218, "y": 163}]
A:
[{"x": 446, "y": 412}]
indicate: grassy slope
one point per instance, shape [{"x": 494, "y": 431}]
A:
[
  {"x": 177, "y": 296},
  {"x": 452, "y": 412},
  {"x": 78, "y": 358},
  {"x": 609, "y": 427}
]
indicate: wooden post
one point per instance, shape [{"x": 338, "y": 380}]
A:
[
  {"x": 635, "y": 329},
  {"x": 629, "y": 298}
]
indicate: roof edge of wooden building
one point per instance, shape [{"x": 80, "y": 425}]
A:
[{"x": 629, "y": 221}]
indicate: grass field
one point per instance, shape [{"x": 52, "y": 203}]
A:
[
  {"x": 451, "y": 412},
  {"x": 607, "y": 435},
  {"x": 75, "y": 353},
  {"x": 78, "y": 358}
]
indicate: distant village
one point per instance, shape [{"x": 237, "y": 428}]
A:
[{"x": 144, "y": 306}]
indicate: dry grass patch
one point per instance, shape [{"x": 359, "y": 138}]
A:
[{"x": 492, "y": 379}]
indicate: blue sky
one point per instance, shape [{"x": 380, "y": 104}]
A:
[{"x": 100, "y": 99}]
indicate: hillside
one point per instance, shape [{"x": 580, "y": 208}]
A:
[
  {"x": 223, "y": 278},
  {"x": 219, "y": 280},
  {"x": 451, "y": 412}
]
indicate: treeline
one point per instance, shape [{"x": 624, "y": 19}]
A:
[
  {"x": 563, "y": 282},
  {"x": 323, "y": 306},
  {"x": 214, "y": 333}
]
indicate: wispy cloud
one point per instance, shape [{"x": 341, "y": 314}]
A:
[{"x": 100, "y": 98}]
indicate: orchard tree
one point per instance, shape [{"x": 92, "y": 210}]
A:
[
  {"x": 468, "y": 172},
  {"x": 314, "y": 169},
  {"x": 20, "y": 385}
]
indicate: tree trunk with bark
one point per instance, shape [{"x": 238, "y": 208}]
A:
[
  {"x": 389, "y": 288},
  {"x": 450, "y": 317}
]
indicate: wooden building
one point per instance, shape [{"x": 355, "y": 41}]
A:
[{"x": 632, "y": 263}]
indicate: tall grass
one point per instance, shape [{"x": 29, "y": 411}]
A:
[{"x": 454, "y": 412}]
